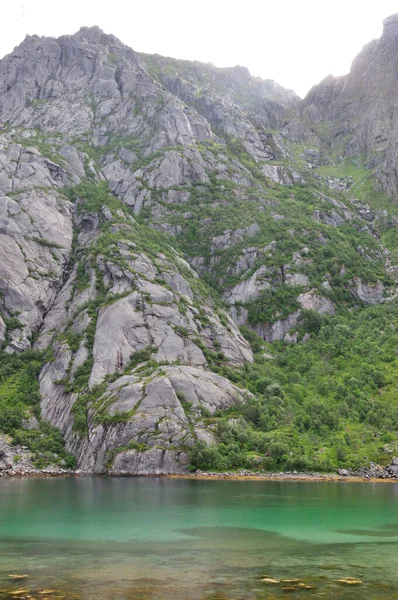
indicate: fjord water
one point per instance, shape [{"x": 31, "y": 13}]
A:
[{"x": 125, "y": 539}]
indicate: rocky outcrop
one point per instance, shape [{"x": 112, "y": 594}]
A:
[
  {"x": 17, "y": 461},
  {"x": 281, "y": 175},
  {"x": 374, "y": 471},
  {"x": 366, "y": 292},
  {"x": 280, "y": 329},
  {"x": 277, "y": 331},
  {"x": 360, "y": 107},
  {"x": 149, "y": 462},
  {"x": 3, "y": 329},
  {"x": 250, "y": 255},
  {"x": 148, "y": 311},
  {"x": 250, "y": 288},
  {"x": 35, "y": 245},
  {"x": 6, "y": 456},
  {"x": 163, "y": 411},
  {"x": 229, "y": 238},
  {"x": 312, "y": 301},
  {"x": 332, "y": 218}
]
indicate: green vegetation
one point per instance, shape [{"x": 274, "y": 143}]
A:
[
  {"x": 327, "y": 403},
  {"x": 20, "y": 401},
  {"x": 331, "y": 402},
  {"x": 139, "y": 447},
  {"x": 93, "y": 196},
  {"x": 46, "y": 243},
  {"x": 46, "y": 143}
]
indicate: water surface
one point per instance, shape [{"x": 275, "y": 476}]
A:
[{"x": 156, "y": 539}]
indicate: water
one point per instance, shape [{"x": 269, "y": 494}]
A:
[{"x": 158, "y": 539}]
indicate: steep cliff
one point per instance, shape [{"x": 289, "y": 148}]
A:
[
  {"x": 150, "y": 207},
  {"x": 360, "y": 108}
]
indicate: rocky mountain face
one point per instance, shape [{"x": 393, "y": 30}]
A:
[
  {"x": 360, "y": 108},
  {"x": 151, "y": 206}
]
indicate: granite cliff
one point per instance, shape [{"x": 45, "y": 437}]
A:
[{"x": 149, "y": 208}]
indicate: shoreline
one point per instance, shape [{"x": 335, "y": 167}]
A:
[
  {"x": 306, "y": 477},
  {"x": 209, "y": 476}
]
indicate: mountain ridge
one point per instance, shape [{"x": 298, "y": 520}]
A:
[{"x": 149, "y": 207}]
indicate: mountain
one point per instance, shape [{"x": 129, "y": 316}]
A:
[
  {"x": 360, "y": 108},
  {"x": 151, "y": 207}
]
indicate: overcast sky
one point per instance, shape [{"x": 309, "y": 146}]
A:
[{"x": 295, "y": 42}]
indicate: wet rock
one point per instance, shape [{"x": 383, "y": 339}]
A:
[{"x": 374, "y": 471}]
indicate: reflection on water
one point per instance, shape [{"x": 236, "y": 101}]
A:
[{"x": 142, "y": 539}]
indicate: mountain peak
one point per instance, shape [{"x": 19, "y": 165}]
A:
[
  {"x": 93, "y": 34},
  {"x": 91, "y": 30},
  {"x": 390, "y": 25}
]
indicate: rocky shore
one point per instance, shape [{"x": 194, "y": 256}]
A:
[
  {"x": 373, "y": 472},
  {"x": 16, "y": 461}
]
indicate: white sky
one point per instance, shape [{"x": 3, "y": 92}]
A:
[{"x": 295, "y": 42}]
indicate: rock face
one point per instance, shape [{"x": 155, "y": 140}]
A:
[
  {"x": 35, "y": 246},
  {"x": 160, "y": 413},
  {"x": 374, "y": 471},
  {"x": 250, "y": 288},
  {"x": 137, "y": 318},
  {"x": 360, "y": 107},
  {"x": 150, "y": 462},
  {"x": 123, "y": 176},
  {"x": 369, "y": 294},
  {"x": 6, "y": 456},
  {"x": 311, "y": 301}
]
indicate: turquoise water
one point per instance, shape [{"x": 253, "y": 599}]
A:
[{"x": 127, "y": 539}]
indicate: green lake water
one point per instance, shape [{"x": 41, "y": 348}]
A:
[{"x": 141, "y": 539}]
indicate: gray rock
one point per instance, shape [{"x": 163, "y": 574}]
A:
[
  {"x": 229, "y": 238},
  {"x": 343, "y": 472},
  {"x": 154, "y": 412},
  {"x": 239, "y": 315},
  {"x": 273, "y": 332},
  {"x": 312, "y": 301},
  {"x": 6, "y": 456},
  {"x": 151, "y": 462},
  {"x": 2, "y": 331},
  {"x": 368, "y": 293},
  {"x": 250, "y": 288},
  {"x": 123, "y": 329},
  {"x": 333, "y": 218},
  {"x": 35, "y": 244},
  {"x": 297, "y": 279},
  {"x": 250, "y": 255},
  {"x": 357, "y": 107},
  {"x": 278, "y": 174},
  {"x": 86, "y": 106}
]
